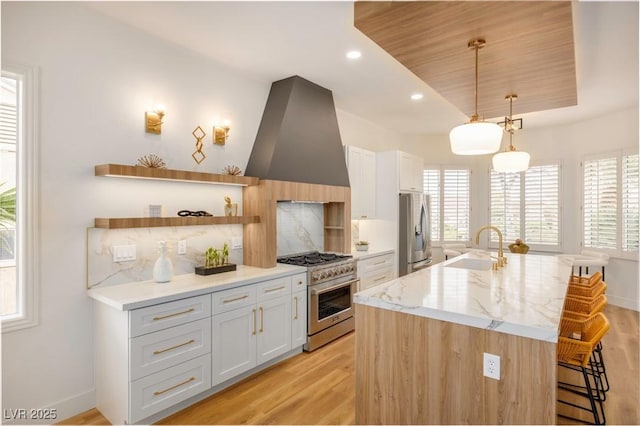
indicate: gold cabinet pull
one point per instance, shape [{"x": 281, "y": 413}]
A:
[
  {"x": 261, "y": 319},
  {"x": 379, "y": 263},
  {"x": 380, "y": 279},
  {"x": 173, "y": 347},
  {"x": 254, "y": 322},
  {"x": 295, "y": 298},
  {"x": 269, "y": 290},
  {"x": 235, "y": 299},
  {"x": 174, "y": 315},
  {"x": 189, "y": 380}
]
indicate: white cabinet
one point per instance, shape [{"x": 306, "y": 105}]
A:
[
  {"x": 299, "y": 321},
  {"x": 151, "y": 358},
  {"x": 375, "y": 270},
  {"x": 274, "y": 330},
  {"x": 234, "y": 343},
  {"x": 147, "y": 360},
  {"x": 362, "y": 177},
  {"x": 411, "y": 172},
  {"x": 257, "y": 324}
]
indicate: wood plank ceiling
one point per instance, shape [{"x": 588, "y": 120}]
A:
[{"x": 529, "y": 50}]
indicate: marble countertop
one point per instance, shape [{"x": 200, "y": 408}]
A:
[
  {"x": 525, "y": 298},
  {"x": 136, "y": 295},
  {"x": 372, "y": 252}
]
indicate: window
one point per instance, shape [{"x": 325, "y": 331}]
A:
[
  {"x": 18, "y": 200},
  {"x": 630, "y": 203},
  {"x": 526, "y": 206},
  {"x": 610, "y": 203},
  {"x": 449, "y": 189}
]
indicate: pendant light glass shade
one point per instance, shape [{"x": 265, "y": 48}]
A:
[
  {"x": 475, "y": 138},
  {"x": 511, "y": 161}
]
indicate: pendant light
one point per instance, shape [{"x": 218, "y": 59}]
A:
[
  {"x": 510, "y": 161},
  {"x": 475, "y": 137}
]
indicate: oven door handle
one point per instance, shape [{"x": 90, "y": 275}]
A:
[{"x": 315, "y": 292}]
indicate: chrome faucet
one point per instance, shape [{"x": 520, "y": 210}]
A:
[{"x": 502, "y": 261}]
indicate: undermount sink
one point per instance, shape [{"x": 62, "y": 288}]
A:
[{"x": 475, "y": 264}]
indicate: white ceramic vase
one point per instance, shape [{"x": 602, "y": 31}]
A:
[{"x": 163, "y": 269}]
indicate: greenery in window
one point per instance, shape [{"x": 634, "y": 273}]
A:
[{"x": 7, "y": 213}]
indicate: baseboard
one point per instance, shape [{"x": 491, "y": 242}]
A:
[
  {"x": 623, "y": 302},
  {"x": 61, "y": 410}
]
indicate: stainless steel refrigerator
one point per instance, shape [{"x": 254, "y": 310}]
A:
[{"x": 415, "y": 233}]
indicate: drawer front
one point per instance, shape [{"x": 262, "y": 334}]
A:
[
  {"x": 234, "y": 298},
  {"x": 272, "y": 289},
  {"x": 375, "y": 263},
  {"x": 298, "y": 282},
  {"x": 376, "y": 278},
  {"x": 163, "y": 349},
  {"x": 165, "y": 315},
  {"x": 161, "y": 390}
]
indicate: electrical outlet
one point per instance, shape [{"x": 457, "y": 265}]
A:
[
  {"x": 124, "y": 253},
  {"x": 236, "y": 242},
  {"x": 182, "y": 247},
  {"x": 491, "y": 366}
]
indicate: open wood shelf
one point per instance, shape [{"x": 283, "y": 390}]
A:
[
  {"x": 152, "y": 222},
  {"x": 140, "y": 172}
]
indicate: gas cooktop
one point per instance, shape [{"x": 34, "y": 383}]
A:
[{"x": 312, "y": 258}]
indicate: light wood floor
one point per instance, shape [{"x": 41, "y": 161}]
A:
[{"x": 319, "y": 387}]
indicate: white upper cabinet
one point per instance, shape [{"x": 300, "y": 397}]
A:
[
  {"x": 362, "y": 176},
  {"x": 411, "y": 171}
]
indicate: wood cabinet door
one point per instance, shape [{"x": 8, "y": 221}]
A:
[
  {"x": 274, "y": 328},
  {"x": 233, "y": 343}
]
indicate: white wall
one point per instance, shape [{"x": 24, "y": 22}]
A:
[{"x": 97, "y": 79}]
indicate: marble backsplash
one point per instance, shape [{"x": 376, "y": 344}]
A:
[
  {"x": 103, "y": 271},
  {"x": 300, "y": 227}
]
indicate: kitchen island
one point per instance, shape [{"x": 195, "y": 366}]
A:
[{"x": 420, "y": 342}]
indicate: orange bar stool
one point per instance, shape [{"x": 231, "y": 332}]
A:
[
  {"x": 586, "y": 291},
  {"x": 580, "y": 308},
  {"x": 576, "y": 343}
]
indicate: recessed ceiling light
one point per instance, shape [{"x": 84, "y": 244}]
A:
[
  {"x": 417, "y": 96},
  {"x": 354, "y": 54}
]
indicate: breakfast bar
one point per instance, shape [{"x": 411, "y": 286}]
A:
[{"x": 421, "y": 340}]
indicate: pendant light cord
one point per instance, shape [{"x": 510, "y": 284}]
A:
[{"x": 475, "y": 113}]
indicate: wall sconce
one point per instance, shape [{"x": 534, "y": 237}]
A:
[
  {"x": 153, "y": 120},
  {"x": 221, "y": 133}
]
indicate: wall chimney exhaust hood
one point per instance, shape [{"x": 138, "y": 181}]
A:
[{"x": 298, "y": 139}]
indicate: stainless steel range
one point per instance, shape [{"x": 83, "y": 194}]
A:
[{"x": 332, "y": 282}]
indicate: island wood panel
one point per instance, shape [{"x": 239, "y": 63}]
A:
[
  {"x": 529, "y": 50},
  {"x": 527, "y": 391},
  {"x": 152, "y": 222},
  {"x": 416, "y": 370},
  {"x": 120, "y": 170},
  {"x": 260, "y": 239}
]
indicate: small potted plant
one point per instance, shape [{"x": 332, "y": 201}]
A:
[
  {"x": 362, "y": 245},
  {"x": 216, "y": 261}
]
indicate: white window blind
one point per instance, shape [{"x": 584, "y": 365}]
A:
[
  {"x": 600, "y": 203},
  {"x": 505, "y": 205},
  {"x": 630, "y": 203},
  {"x": 456, "y": 205},
  {"x": 526, "y": 206},
  {"x": 432, "y": 188},
  {"x": 542, "y": 205}
]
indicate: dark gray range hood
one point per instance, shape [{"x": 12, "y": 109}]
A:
[{"x": 298, "y": 139}]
